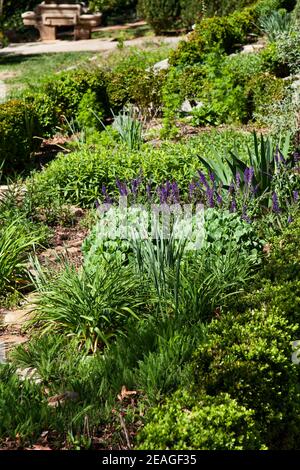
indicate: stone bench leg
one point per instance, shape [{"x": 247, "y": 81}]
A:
[
  {"x": 82, "y": 32},
  {"x": 47, "y": 33}
]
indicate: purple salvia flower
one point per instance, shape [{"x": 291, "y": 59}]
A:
[
  {"x": 219, "y": 199},
  {"x": 135, "y": 185},
  {"x": 203, "y": 180},
  {"x": 290, "y": 219},
  {"x": 212, "y": 177},
  {"x": 275, "y": 204},
  {"x": 245, "y": 216},
  {"x": 210, "y": 197},
  {"x": 248, "y": 175},
  {"x": 122, "y": 188},
  {"x": 168, "y": 188},
  {"x": 97, "y": 204},
  {"x": 192, "y": 187},
  {"x": 175, "y": 192},
  {"x": 107, "y": 199},
  {"x": 233, "y": 206},
  {"x": 296, "y": 196},
  {"x": 282, "y": 159}
]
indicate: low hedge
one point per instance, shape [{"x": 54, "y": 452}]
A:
[
  {"x": 188, "y": 422},
  {"x": 19, "y": 127}
]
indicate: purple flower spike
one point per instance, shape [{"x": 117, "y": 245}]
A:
[
  {"x": 296, "y": 196},
  {"x": 245, "y": 216},
  {"x": 122, "y": 188},
  {"x": 219, "y": 199},
  {"x": 203, "y": 180},
  {"x": 248, "y": 175},
  {"x": 282, "y": 159},
  {"x": 212, "y": 177},
  {"x": 97, "y": 204},
  {"x": 135, "y": 186},
  {"x": 192, "y": 187},
  {"x": 233, "y": 206},
  {"x": 210, "y": 197},
  {"x": 107, "y": 198},
  {"x": 275, "y": 204},
  {"x": 290, "y": 219},
  {"x": 175, "y": 192}
]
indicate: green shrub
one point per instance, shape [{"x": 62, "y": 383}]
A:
[
  {"x": 296, "y": 11},
  {"x": 288, "y": 50},
  {"x": 187, "y": 422},
  {"x": 23, "y": 408},
  {"x": 227, "y": 32},
  {"x": 160, "y": 14},
  {"x": 15, "y": 244},
  {"x": 275, "y": 23},
  {"x": 282, "y": 263},
  {"x": 61, "y": 97},
  {"x": 263, "y": 90},
  {"x": 92, "y": 307},
  {"x": 249, "y": 356},
  {"x": 137, "y": 86},
  {"x": 19, "y": 125},
  {"x": 113, "y": 10},
  {"x": 90, "y": 112}
]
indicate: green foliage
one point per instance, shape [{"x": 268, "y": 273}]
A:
[
  {"x": 133, "y": 84},
  {"x": 23, "y": 407},
  {"x": 15, "y": 244},
  {"x": 282, "y": 264},
  {"x": 93, "y": 307},
  {"x": 223, "y": 229},
  {"x": 187, "y": 422},
  {"x": 275, "y": 23},
  {"x": 129, "y": 129},
  {"x": 287, "y": 48},
  {"x": 296, "y": 11},
  {"x": 64, "y": 96},
  {"x": 19, "y": 125},
  {"x": 112, "y": 9},
  {"x": 249, "y": 357},
  {"x": 261, "y": 158},
  {"x": 160, "y": 14},
  {"x": 90, "y": 112},
  {"x": 226, "y": 32}
]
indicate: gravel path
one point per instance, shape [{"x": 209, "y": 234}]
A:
[{"x": 92, "y": 45}]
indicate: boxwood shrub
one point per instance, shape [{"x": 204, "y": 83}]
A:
[
  {"x": 19, "y": 127},
  {"x": 187, "y": 422}
]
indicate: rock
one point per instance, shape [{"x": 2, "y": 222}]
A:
[
  {"x": 186, "y": 107},
  {"x": 29, "y": 373},
  {"x": 162, "y": 65},
  {"x": 249, "y": 48},
  {"x": 60, "y": 399}
]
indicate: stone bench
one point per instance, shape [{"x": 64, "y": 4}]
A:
[{"x": 47, "y": 17}]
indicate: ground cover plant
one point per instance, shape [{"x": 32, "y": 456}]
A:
[{"x": 147, "y": 339}]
